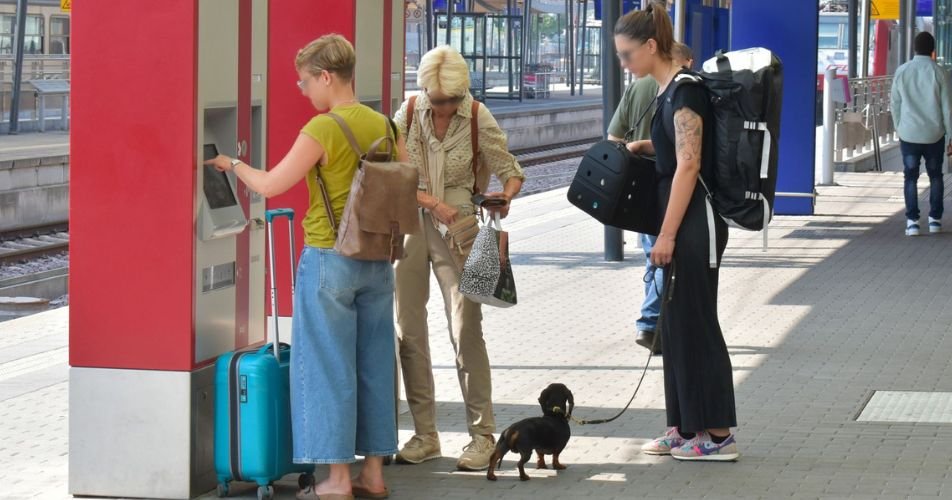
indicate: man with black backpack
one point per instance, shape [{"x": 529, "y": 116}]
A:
[{"x": 922, "y": 114}]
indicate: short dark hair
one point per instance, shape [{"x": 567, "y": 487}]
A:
[
  {"x": 683, "y": 52},
  {"x": 924, "y": 44}
]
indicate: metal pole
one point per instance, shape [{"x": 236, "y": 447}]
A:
[
  {"x": 524, "y": 43},
  {"x": 558, "y": 23},
  {"x": 910, "y": 30},
  {"x": 430, "y": 25},
  {"x": 852, "y": 32},
  {"x": 864, "y": 17},
  {"x": 902, "y": 32},
  {"x": 420, "y": 50},
  {"x": 18, "y": 68},
  {"x": 581, "y": 75},
  {"x": 611, "y": 96},
  {"x": 829, "y": 79},
  {"x": 680, "y": 7},
  {"x": 907, "y": 29},
  {"x": 509, "y": 32},
  {"x": 449, "y": 21},
  {"x": 570, "y": 30}
]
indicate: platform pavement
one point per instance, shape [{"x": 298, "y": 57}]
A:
[
  {"x": 33, "y": 145},
  {"x": 840, "y": 305}
]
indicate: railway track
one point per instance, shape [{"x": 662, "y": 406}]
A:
[
  {"x": 531, "y": 157},
  {"x": 548, "y": 167},
  {"x": 33, "y": 242}
]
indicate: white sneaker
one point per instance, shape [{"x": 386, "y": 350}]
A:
[
  {"x": 935, "y": 225},
  {"x": 912, "y": 228}
]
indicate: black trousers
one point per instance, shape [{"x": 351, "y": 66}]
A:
[{"x": 698, "y": 378}]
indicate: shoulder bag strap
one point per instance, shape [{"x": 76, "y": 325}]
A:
[
  {"x": 474, "y": 138},
  {"x": 410, "y": 106}
]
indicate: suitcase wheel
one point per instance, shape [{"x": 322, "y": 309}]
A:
[
  {"x": 265, "y": 492},
  {"x": 222, "y": 490},
  {"x": 305, "y": 480}
]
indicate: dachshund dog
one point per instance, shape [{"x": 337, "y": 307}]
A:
[{"x": 547, "y": 434}]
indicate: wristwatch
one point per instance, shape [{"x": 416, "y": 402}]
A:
[{"x": 234, "y": 163}]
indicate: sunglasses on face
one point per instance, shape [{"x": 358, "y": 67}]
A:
[
  {"x": 443, "y": 102},
  {"x": 625, "y": 55}
]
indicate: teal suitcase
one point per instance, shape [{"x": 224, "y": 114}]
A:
[{"x": 252, "y": 405}]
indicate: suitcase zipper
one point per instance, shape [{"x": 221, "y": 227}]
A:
[{"x": 234, "y": 416}]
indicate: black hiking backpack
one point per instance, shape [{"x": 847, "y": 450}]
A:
[{"x": 745, "y": 89}]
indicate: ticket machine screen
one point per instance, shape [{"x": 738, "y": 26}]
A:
[{"x": 216, "y": 185}]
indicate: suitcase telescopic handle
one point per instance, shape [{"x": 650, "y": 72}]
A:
[{"x": 270, "y": 216}]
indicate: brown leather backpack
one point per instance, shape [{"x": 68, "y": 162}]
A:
[{"x": 381, "y": 207}]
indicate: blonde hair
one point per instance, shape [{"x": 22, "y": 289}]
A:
[
  {"x": 444, "y": 70},
  {"x": 332, "y": 53}
]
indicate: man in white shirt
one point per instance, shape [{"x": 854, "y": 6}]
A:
[{"x": 922, "y": 114}]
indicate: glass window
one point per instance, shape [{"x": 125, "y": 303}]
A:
[
  {"x": 6, "y": 33},
  {"x": 33, "y": 39},
  {"x": 59, "y": 25},
  {"x": 33, "y": 34},
  {"x": 829, "y": 37},
  {"x": 6, "y": 23},
  {"x": 59, "y": 35},
  {"x": 34, "y": 25}
]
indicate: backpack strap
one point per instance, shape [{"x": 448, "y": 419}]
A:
[
  {"x": 348, "y": 133},
  {"x": 667, "y": 108},
  {"x": 474, "y": 138}
]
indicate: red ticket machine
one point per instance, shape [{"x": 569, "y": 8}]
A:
[{"x": 167, "y": 256}]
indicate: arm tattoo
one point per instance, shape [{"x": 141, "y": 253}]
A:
[{"x": 687, "y": 132}]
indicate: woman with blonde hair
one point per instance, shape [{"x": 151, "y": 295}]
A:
[
  {"x": 441, "y": 139},
  {"x": 343, "y": 360}
]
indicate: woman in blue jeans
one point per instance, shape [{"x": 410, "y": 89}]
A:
[{"x": 344, "y": 356}]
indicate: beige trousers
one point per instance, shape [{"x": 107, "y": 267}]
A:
[{"x": 423, "y": 251}]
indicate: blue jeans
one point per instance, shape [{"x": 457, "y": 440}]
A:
[
  {"x": 651, "y": 307},
  {"x": 343, "y": 359},
  {"x": 934, "y": 156}
]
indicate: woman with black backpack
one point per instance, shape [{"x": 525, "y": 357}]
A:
[{"x": 698, "y": 380}]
